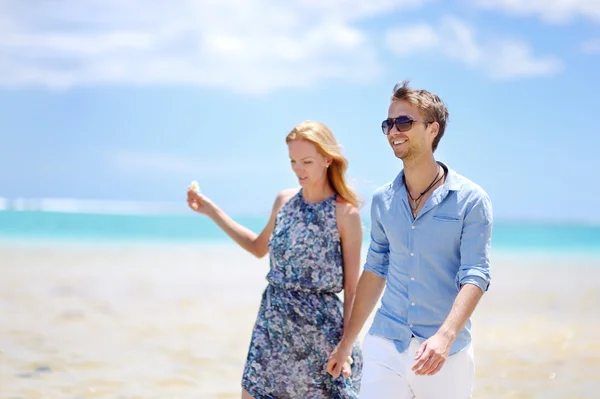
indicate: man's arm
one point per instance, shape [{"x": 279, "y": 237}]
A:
[
  {"x": 473, "y": 280},
  {"x": 462, "y": 309},
  {"x": 433, "y": 353},
  {"x": 369, "y": 289}
]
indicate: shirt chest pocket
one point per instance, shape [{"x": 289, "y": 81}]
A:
[
  {"x": 447, "y": 228},
  {"x": 441, "y": 217}
]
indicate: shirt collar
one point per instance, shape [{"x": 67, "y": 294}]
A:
[{"x": 452, "y": 182}]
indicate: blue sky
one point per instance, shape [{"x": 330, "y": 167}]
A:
[{"x": 129, "y": 101}]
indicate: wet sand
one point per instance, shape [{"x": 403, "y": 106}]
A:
[{"x": 174, "y": 321}]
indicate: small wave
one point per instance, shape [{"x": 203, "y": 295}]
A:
[{"x": 76, "y": 205}]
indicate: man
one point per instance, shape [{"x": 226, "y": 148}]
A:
[{"x": 430, "y": 251}]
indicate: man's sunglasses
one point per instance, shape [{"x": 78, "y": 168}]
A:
[{"x": 403, "y": 124}]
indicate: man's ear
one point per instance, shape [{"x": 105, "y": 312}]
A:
[{"x": 435, "y": 129}]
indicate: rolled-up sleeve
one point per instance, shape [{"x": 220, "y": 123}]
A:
[
  {"x": 475, "y": 245},
  {"x": 378, "y": 253}
]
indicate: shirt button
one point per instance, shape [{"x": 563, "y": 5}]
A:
[
  {"x": 412, "y": 304},
  {"x": 413, "y": 227},
  {"x": 412, "y": 279},
  {"x": 411, "y": 254},
  {"x": 410, "y": 325}
]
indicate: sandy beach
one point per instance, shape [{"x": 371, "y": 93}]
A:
[{"x": 159, "y": 321}]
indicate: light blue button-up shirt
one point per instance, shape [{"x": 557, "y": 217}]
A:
[{"x": 426, "y": 260}]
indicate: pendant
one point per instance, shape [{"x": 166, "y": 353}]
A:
[{"x": 414, "y": 205}]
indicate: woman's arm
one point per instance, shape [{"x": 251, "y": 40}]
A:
[
  {"x": 256, "y": 244},
  {"x": 350, "y": 229}
]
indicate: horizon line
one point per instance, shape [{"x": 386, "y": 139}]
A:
[{"x": 131, "y": 207}]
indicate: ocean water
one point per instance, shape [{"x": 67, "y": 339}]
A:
[{"x": 191, "y": 228}]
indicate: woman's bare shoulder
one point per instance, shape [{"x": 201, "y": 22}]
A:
[{"x": 284, "y": 196}]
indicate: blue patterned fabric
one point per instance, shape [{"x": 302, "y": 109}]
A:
[{"x": 300, "y": 320}]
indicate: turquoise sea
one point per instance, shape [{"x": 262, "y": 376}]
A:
[{"x": 183, "y": 228}]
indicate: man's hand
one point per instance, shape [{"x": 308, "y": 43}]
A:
[
  {"x": 338, "y": 361},
  {"x": 346, "y": 370},
  {"x": 432, "y": 355}
]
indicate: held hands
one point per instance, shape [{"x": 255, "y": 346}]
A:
[
  {"x": 339, "y": 362},
  {"x": 432, "y": 355}
]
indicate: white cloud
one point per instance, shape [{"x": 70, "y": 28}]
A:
[
  {"x": 511, "y": 59},
  {"x": 460, "y": 42},
  {"x": 246, "y": 45},
  {"x": 499, "y": 59},
  {"x": 554, "y": 11},
  {"x": 135, "y": 162},
  {"x": 132, "y": 162},
  {"x": 591, "y": 46},
  {"x": 412, "y": 39}
]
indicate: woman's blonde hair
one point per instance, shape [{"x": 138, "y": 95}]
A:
[{"x": 320, "y": 135}]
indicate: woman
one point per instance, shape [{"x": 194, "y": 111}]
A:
[{"x": 313, "y": 238}]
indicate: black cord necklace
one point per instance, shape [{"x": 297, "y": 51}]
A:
[{"x": 415, "y": 202}]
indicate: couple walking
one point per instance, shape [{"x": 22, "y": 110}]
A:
[{"x": 429, "y": 256}]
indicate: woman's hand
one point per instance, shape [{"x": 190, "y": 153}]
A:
[{"x": 199, "y": 203}]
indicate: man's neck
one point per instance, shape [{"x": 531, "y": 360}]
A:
[{"x": 419, "y": 174}]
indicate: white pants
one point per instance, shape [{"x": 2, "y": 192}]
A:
[{"x": 387, "y": 373}]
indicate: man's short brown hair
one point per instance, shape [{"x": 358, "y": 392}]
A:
[{"x": 430, "y": 105}]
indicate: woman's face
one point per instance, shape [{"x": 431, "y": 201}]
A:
[{"x": 307, "y": 163}]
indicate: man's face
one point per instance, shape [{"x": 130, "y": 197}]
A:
[{"x": 417, "y": 140}]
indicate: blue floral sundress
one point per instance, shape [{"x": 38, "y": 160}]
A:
[{"x": 300, "y": 320}]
